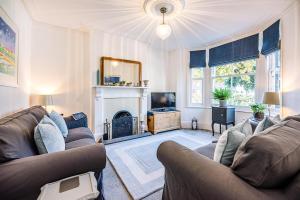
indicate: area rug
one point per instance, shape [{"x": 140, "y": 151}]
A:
[{"x": 136, "y": 163}]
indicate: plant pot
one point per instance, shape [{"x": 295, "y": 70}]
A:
[
  {"x": 259, "y": 115},
  {"x": 223, "y": 103}
]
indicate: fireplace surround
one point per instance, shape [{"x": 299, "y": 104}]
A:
[{"x": 109, "y": 100}]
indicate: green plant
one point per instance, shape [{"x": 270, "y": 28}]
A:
[
  {"x": 222, "y": 94},
  {"x": 258, "y": 108}
]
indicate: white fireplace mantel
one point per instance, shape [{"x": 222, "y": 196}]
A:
[{"x": 100, "y": 93}]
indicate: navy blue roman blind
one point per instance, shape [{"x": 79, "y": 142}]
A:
[
  {"x": 197, "y": 59},
  {"x": 239, "y": 50},
  {"x": 271, "y": 39}
]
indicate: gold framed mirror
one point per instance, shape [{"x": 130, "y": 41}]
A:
[{"x": 120, "y": 72}]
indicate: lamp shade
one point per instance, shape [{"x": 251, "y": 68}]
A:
[
  {"x": 271, "y": 98},
  {"x": 44, "y": 100}
]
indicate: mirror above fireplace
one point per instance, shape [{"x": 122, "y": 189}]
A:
[{"x": 120, "y": 72}]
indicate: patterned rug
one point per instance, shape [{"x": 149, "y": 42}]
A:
[{"x": 136, "y": 163}]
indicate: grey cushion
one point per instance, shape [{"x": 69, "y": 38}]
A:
[
  {"x": 80, "y": 143},
  {"x": 227, "y": 145},
  {"x": 79, "y": 133},
  {"x": 60, "y": 122},
  {"x": 16, "y": 136},
  {"x": 263, "y": 125},
  {"x": 207, "y": 150},
  {"x": 229, "y": 142},
  {"x": 48, "y": 137},
  {"x": 270, "y": 159}
]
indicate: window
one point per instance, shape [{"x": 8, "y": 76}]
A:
[
  {"x": 196, "y": 86},
  {"x": 273, "y": 65},
  {"x": 274, "y": 77},
  {"x": 239, "y": 77}
]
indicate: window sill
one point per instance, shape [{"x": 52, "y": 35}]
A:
[
  {"x": 199, "y": 106},
  {"x": 237, "y": 108}
]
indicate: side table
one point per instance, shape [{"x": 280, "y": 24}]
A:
[
  {"x": 83, "y": 186},
  {"x": 223, "y": 116}
]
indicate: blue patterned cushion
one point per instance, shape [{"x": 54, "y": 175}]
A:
[
  {"x": 263, "y": 125},
  {"x": 48, "y": 137},
  {"x": 60, "y": 122}
]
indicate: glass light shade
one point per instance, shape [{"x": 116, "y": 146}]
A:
[{"x": 163, "y": 31}]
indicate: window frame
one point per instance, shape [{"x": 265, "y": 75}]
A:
[
  {"x": 274, "y": 109},
  {"x": 190, "y": 88},
  {"x": 238, "y": 107}
]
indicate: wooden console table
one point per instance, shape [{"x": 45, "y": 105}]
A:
[
  {"x": 222, "y": 116},
  {"x": 164, "y": 121}
]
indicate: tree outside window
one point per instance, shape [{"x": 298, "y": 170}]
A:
[{"x": 239, "y": 77}]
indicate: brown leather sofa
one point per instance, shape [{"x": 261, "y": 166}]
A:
[
  {"x": 23, "y": 171},
  {"x": 192, "y": 176}
]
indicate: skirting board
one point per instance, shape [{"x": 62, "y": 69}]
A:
[{"x": 188, "y": 125}]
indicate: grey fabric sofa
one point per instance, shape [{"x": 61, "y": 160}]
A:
[
  {"x": 190, "y": 175},
  {"x": 23, "y": 171}
]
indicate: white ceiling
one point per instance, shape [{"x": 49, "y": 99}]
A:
[{"x": 201, "y": 23}]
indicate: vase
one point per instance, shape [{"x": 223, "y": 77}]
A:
[
  {"x": 223, "y": 103},
  {"x": 259, "y": 115}
]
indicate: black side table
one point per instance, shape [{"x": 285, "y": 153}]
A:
[{"x": 223, "y": 116}]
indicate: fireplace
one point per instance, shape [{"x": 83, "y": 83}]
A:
[
  {"x": 115, "y": 106},
  {"x": 122, "y": 124}
]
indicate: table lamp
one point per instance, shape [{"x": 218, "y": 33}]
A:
[
  {"x": 43, "y": 100},
  {"x": 271, "y": 98}
]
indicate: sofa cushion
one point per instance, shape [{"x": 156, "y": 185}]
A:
[
  {"x": 79, "y": 133},
  {"x": 16, "y": 136},
  {"x": 38, "y": 112},
  {"x": 60, "y": 122},
  {"x": 229, "y": 142},
  {"x": 80, "y": 143},
  {"x": 263, "y": 125},
  {"x": 227, "y": 145},
  {"x": 207, "y": 150},
  {"x": 294, "y": 117},
  {"x": 271, "y": 158},
  {"x": 48, "y": 137}
]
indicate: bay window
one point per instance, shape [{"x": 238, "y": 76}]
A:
[{"x": 196, "y": 86}]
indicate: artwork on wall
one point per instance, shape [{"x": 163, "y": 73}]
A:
[{"x": 8, "y": 51}]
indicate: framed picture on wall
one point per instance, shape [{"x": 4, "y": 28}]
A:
[{"x": 8, "y": 51}]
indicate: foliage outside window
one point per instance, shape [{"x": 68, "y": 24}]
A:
[
  {"x": 196, "y": 86},
  {"x": 238, "y": 77}
]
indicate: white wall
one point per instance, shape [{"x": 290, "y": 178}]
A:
[
  {"x": 290, "y": 27},
  {"x": 153, "y": 60},
  {"x": 65, "y": 63},
  {"x": 291, "y": 60},
  {"x": 13, "y": 99},
  {"x": 60, "y": 67}
]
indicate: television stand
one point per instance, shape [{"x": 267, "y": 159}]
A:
[{"x": 159, "y": 121}]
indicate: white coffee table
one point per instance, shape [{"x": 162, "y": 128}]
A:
[{"x": 79, "y": 187}]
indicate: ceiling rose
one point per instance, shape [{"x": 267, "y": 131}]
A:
[{"x": 174, "y": 7}]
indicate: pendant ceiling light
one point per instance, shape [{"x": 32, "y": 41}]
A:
[
  {"x": 168, "y": 9},
  {"x": 163, "y": 30}
]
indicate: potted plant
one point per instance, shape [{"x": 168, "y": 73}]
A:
[
  {"x": 222, "y": 95},
  {"x": 258, "y": 111}
]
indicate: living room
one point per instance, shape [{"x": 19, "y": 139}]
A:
[{"x": 149, "y": 99}]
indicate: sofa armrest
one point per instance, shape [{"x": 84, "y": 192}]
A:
[
  {"x": 24, "y": 177},
  {"x": 190, "y": 175}
]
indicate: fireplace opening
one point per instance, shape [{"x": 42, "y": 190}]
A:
[{"x": 122, "y": 124}]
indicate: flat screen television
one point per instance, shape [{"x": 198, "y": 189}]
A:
[{"x": 163, "y": 100}]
